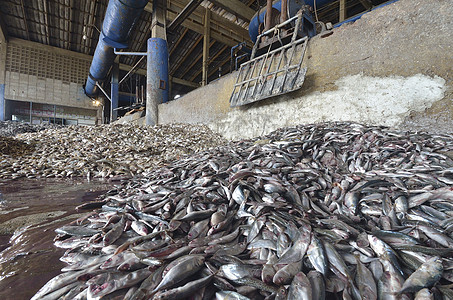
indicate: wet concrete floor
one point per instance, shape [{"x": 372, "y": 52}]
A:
[{"x": 30, "y": 211}]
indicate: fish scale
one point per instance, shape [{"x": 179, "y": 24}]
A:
[{"x": 320, "y": 191}]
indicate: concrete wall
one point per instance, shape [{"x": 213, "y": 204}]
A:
[
  {"x": 392, "y": 67},
  {"x": 44, "y": 74}
]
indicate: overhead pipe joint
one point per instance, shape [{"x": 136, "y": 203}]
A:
[{"x": 120, "y": 17}]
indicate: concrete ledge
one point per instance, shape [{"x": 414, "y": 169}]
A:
[{"x": 391, "y": 67}]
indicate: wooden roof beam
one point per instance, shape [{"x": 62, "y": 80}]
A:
[
  {"x": 127, "y": 68},
  {"x": 198, "y": 28},
  {"x": 186, "y": 11},
  {"x": 184, "y": 82},
  {"x": 46, "y": 21},
  {"x": 218, "y": 23},
  {"x": 210, "y": 61},
  {"x": 221, "y": 65},
  {"x": 236, "y": 7},
  {"x": 195, "y": 61},
  {"x": 367, "y": 4},
  {"x": 69, "y": 13},
  {"x": 3, "y": 30},
  {"x": 231, "y": 37},
  {"x": 175, "y": 45},
  {"x": 176, "y": 67},
  {"x": 25, "y": 19}
]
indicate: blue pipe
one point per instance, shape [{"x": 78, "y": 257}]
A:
[
  {"x": 157, "y": 87},
  {"x": 158, "y": 66},
  {"x": 120, "y": 17},
  {"x": 356, "y": 17},
  {"x": 293, "y": 7},
  {"x": 102, "y": 61}
]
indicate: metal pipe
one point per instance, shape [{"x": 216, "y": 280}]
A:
[
  {"x": 232, "y": 52},
  {"x": 156, "y": 78},
  {"x": 120, "y": 16},
  {"x": 129, "y": 53},
  {"x": 278, "y": 26},
  {"x": 102, "y": 90},
  {"x": 267, "y": 23},
  {"x": 131, "y": 70},
  {"x": 238, "y": 58},
  {"x": 293, "y": 7},
  {"x": 102, "y": 61},
  {"x": 284, "y": 11}
]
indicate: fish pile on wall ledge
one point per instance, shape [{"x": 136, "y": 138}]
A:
[
  {"x": 103, "y": 151},
  {"x": 324, "y": 211},
  {"x": 13, "y": 128}
]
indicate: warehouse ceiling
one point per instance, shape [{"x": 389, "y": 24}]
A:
[{"x": 73, "y": 25}]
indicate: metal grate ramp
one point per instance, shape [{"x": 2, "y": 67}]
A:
[{"x": 273, "y": 73}]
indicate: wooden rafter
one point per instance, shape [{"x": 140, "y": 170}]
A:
[
  {"x": 71, "y": 4},
  {"x": 175, "y": 45},
  {"x": 184, "y": 82},
  {"x": 195, "y": 61},
  {"x": 227, "y": 60},
  {"x": 221, "y": 65},
  {"x": 89, "y": 29},
  {"x": 367, "y": 4},
  {"x": 218, "y": 23},
  {"x": 176, "y": 67},
  {"x": 3, "y": 30},
  {"x": 185, "y": 12},
  {"x": 210, "y": 61},
  {"x": 222, "y": 29},
  {"x": 237, "y": 8},
  {"x": 46, "y": 21},
  {"x": 198, "y": 28},
  {"x": 74, "y": 20},
  {"x": 25, "y": 19}
]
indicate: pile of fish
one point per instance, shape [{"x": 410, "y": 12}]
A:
[
  {"x": 13, "y": 147},
  {"x": 13, "y": 128},
  {"x": 325, "y": 211},
  {"x": 103, "y": 151}
]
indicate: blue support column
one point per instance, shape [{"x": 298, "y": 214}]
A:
[
  {"x": 2, "y": 102},
  {"x": 114, "y": 94},
  {"x": 156, "y": 78}
]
